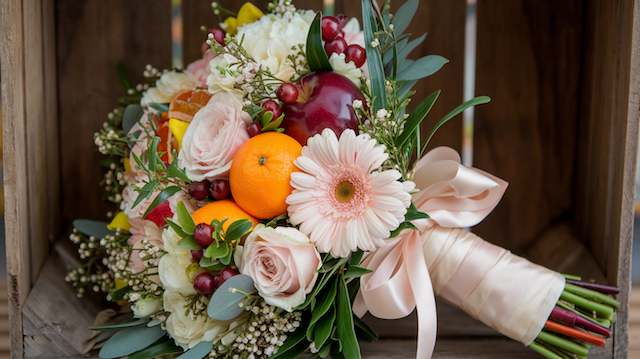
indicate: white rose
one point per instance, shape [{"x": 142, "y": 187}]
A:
[
  {"x": 213, "y": 137},
  {"x": 144, "y": 307},
  {"x": 172, "y": 269},
  {"x": 223, "y": 73},
  {"x": 346, "y": 69},
  {"x": 169, "y": 84},
  {"x": 283, "y": 264},
  {"x": 185, "y": 329}
]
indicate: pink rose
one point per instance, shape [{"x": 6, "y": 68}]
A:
[
  {"x": 200, "y": 68},
  {"x": 283, "y": 264},
  {"x": 141, "y": 230},
  {"x": 213, "y": 137}
]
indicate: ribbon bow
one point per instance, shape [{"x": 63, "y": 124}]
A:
[{"x": 454, "y": 196}]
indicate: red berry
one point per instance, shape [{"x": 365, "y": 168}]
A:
[
  {"x": 273, "y": 107},
  {"x": 158, "y": 214},
  {"x": 254, "y": 129},
  {"x": 199, "y": 190},
  {"x": 218, "y": 35},
  {"x": 356, "y": 54},
  {"x": 330, "y": 28},
  {"x": 196, "y": 255},
  {"x": 342, "y": 20},
  {"x": 219, "y": 189},
  {"x": 288, "y": 93},
  {"x": 204, "y": 283},
  {"x": 203, "y": 234},
  {"x": 224, "y": 275},
  {"x": 335, "y": 46}
]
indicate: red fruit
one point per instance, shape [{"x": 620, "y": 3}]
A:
[
  {"x": 196, "y": 255},
  {"x": 199, "y": 190},
  {"x": 205, "y": 283},
  {"x": 224, "y": 275},
  {"x": 219, "y": 189},
  {"x": 335, "y": 46},
  {"x": 273, "y": 107},
  {"x": 158, "y": 214},
  {"x": 203, "y": 234},
  {"x": 254, "y": 129},
  {"x": 342, "y": 20},
  {"x": 326, "y": 102},
  {"x": 330, "y": 28},
  {"x": 288, "y": 93},
  {"x": 357, "y": 54},
  {"x": 218, "y": 35}
]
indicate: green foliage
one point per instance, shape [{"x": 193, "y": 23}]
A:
[
  {"x": 201, "y": 350},
  {"x": 161, "y": 348},
  {"x": 316, "y": 56},
  {"x": 131, "y": 116},
  {"x": 374, "y": 58},
  {"x": 130, "y": 340},
  {"x": 116, "y": 326},
  {"x": 93, "y": 228},
  {"x": 224, "y": 304},
  {"x": 344, "y": 322}
]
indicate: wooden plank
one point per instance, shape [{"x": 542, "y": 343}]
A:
[
  {"x": 92, "y": 37},
  {"x": 449, "y": 349},
  {"x": 527, "y": 53}
]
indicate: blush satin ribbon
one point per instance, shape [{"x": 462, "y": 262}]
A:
[{"x": 464, "y": 267}]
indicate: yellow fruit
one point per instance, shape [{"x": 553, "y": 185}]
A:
[
  {"x": 220, "y": 210},
  {"x": 178, "y": 128},
  {"x": 249, "y": 13},
  {"x": 120, "y": 221}
]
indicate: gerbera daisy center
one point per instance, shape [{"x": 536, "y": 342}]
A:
[{"x": 345, "y": 191}]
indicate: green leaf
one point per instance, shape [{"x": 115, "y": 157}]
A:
[
  {"x": 316, "y": 56},
  {"x": 189, "y": 243},
  {"x": 274, "y": 124},
  {"x": 293, "y": 345},
  {"x": 199, "y": 351},
  {"x": 320, "y": 284},
  {"x": 356, "y": 272},
  {"x": 421, "y": 68},
  {"x": 413, "y": 213},
  {"x": 176, "y": 228},
  {"x": 405, "y": 50},
  {"x": 267, "y": 116},
  {"x": 131, "y": 116},
  {"x": 364, "y": 331},
  {"x": 173, "y": 171},
  {"x": 161, "y": 197},
  {"x": 401, "y": 227},
  {"x": 91, "y": 228},
  {"x": 145, "y": 192},
  {"x": 415, "y": 119},
  {"x": 119, "y": 294},
  {"x": 130, "y": 341},
  {"x": 374, "y": 59},
  {"x": 345, "y": 329},
  {"x": 237, "y": 229},
  {"x": 153, "y": 159},
  {"x": 112, "y": 326},
  {"x": 184, "y": 218},
  {"x": 322, "y": 332},
  {"x": 157, "y": 350},
  {"x": 325, "y": 350},
  {"x": 402, "y": 18},
  {"x": 320, "y": 310},
  {"x": 212, "y": 265},
  {"x": 224, "y": 302},
  {"x": 456, "y": 111},
  {"x": 356, "y": 257},
  {"x": 217, "y": 250}
]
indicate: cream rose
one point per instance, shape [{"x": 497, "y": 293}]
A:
[
  {"x": 144, "y": 307},
  {"x": 213, "y": 137},
  {"x": 283, "y": 264},
  {"x": 347, "y": 69},
  {"x": 169, "y": 84}
]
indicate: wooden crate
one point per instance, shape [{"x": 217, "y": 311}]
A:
[{"x": 562, "y": 129}]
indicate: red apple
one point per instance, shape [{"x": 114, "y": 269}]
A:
[{"x": 325, "y": 101}]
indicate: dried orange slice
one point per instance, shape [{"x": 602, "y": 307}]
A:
[{"x": 186, "y": 103}]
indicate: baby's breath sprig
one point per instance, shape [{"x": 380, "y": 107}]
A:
[{"x": 281, "y": 7}]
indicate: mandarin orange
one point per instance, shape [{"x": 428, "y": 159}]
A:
[
  {"x": 261, "y": 171},
  {"x": 186, "y": 103},
  {"x": 220, "y": 210}
]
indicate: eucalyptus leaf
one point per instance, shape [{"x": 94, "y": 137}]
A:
[
  {"x": 131, "y": 116},
  {"x": 161, "y": 197},
  {"x": 415, "y": 119},
  {"x": 316, "y": 55},
  {"x": 115, "y": 326},
  {"x": 237, "y": 229},
  {"x": 344, "y": 323},
  {"x": 93, "y": 228},
  {"x": 161, "y": 348},
  {"x": 130, "y": 340},
  {"x": 184, "y": 218},
  {"x": 199, "y": 351},
  {"x": 224, "y": 302},
  {"x": 421, "y": 68},
  {"x": 374, "y": 59},
  {"x": 323, "y": 329},
  {"x": 402, "y": 18},
  {"x": 321, "y": 309}
]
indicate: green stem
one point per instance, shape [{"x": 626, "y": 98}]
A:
[
  {"x": 544, "y": 351},
  {"x": 601, "y": 309},
  {"x": 562, "y": 343},
  {"x": 591, "y": 294},
  {"x": 571, "y": 276}
]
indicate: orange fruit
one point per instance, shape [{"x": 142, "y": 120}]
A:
[
  {"x": 220, "y": 210},
  {"x": 261, "y": 171},
  {"x": 186, "y": 103}
]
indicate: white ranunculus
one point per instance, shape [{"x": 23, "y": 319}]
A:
[
  {"x": 270, "y": 40},
  {"x": 346, "y": 69},
  {"x": 169, "y": 84},
  {"x": 172, "y": 270},
  {"x": 185, "y": 329},
  {"x": 213, "y": 137},
  {"x": 223, "y": 73},
  {"x": 144, "y": 307}
]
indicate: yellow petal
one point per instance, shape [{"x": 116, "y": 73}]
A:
[
  {"x": 120, "y": 221},
  {"x": 231, "y": 25},
  {"x": 127, "y": 165},
  {"x": 178, "y": 128},
  {"x": 248, "y": 13}
]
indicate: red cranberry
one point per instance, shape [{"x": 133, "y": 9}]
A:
[
  {"x": 218, "y": 35},
  {"x": 203, "y": 234},
  {"x": 158, "y": 214},
  {"x": 335, "y": 46},
  {"x": 205, "y": 283},
  {"x": 273, "y": 107},
  {"x": 356, "y": 54},
  {"x": 199, "y": 190},
  {"x": 288, "y": 92},
  {"x": 219, "y": 189},
  {"x": 224, "y": 275},
  {"x": 196, "y": 255},
  {"x": 254, "y": 129},
  {"x": 330, "y": 28}
]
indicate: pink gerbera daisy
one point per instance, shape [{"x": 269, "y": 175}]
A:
[{"x": 341, "y": 198}]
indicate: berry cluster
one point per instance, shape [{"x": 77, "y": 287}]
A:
[
  {"x": 217, "y": 189},
  {"x": 333, "y": 36}
]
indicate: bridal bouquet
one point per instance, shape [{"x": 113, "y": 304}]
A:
[{"x": 279, "y": 187}]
